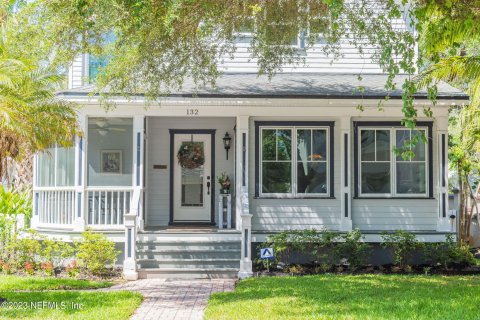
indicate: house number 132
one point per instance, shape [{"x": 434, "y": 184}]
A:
[{"x": 192, "y": 112}]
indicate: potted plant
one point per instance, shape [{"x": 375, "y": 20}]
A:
[{"x": 224, "y": 181}]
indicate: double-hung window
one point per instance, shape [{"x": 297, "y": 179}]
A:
[
  {"x": 384, "y": 172},
  {"x": 294, "y": 160}
]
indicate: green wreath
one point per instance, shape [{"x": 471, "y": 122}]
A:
[{"x": 191, "y": 155}]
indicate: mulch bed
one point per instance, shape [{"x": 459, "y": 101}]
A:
[{"x": 299, "y": 270}]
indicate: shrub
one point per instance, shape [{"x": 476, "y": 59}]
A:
[
  {"x": 55, "y": 252},
  {"x": 448, "y": 253},
  {"x": 352, "y": 248},
  {"x": 29, "y": 268},
  {"x": 72, "y": 269},
  {"x": 47, "y": 268},
  {"x": 26, "y": 249},
  {"x": 7, "y": 268},
  {"x": 314, "y": 244},
  {"x": 281, "y": 246},
  {"x": 96, "y": 253},
  {"x": 403, "y": 244}
]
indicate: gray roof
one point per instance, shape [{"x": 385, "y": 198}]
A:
[{"x": 296, "y": 85}]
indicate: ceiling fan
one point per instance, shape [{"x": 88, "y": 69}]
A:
[{"x": 103, "y": 127}]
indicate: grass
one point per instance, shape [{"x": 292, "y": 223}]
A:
[
  {"x": 349, "y": 297},
  {"x": 61, "y": 303},
  {"x": 17, "y": 283},
  {"x": 116, "y": 305}
]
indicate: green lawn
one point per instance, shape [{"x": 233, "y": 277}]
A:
[
  {"x": 63, "y": 304},
  {"x": 350, "y": 297},
  {"x": 12, "y": 282}
]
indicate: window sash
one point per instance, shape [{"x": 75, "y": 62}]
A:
[
  {"x": 393, "y": 163},
  {"x": 294, "y": 161}
]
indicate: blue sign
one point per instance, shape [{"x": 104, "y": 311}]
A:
[{"x": 266, "y": 253}]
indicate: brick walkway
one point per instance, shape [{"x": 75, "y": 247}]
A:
[{"x": 168, "y": 299}]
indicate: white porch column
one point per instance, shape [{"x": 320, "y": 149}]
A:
[
  {"x": 244, "y": 218},
  {"x": 345, "y": 163},
  {"x": 443, "y": 223},
  {"x": 130, "y": 263},
  {"x": 138, "y": 154},
  {"x": 35, "y": 214},
  {"x": 79, "y": 220}
]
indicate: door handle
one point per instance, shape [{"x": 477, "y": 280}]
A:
[{"x": 208, "y": 187}]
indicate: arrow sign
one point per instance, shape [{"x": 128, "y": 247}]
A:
[{"x": 266, "y": 253}]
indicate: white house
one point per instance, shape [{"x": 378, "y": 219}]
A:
[{"x": 302, "y": 155}]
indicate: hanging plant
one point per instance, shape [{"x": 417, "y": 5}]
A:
[{"x": 191, "y": 155}]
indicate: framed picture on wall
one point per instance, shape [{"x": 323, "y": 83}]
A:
[{"x": 111, "y": 161}]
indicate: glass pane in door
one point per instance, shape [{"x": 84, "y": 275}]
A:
[
  {"x": 192, "y": 187},
  {"x": 193, "y": 171}
]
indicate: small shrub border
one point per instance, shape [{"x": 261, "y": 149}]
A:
[
  {"x": 92, "y": 256},
  {"x": 330, "y": 251}
]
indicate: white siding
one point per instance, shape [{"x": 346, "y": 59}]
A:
[
  {"x": 393, "y": 214},
  {"x": 158, "y": 153},
  {"x": 350, "y": 60},
  {"x": 77, "y": 72}
]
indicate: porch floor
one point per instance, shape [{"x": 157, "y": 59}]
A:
[{"x": 186, "y": 229}]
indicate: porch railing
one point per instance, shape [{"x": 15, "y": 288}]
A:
[
  {"x": 56, "y": 206},
  {"x": 107, "y": 205}
]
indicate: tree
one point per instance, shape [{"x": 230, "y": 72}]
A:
[
  {"x": 153, "y": 46},
  {"x": 450, "y": 35},
  {"x": 32, "y": 117}
]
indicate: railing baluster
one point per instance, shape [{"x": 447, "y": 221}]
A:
[
  {"x": 96, "y": 204},
  {"x": 111, "y": 208},
  {"x": 118, "y": 207}
]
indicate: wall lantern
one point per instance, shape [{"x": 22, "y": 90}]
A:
[{"x": 226, "y": 142}]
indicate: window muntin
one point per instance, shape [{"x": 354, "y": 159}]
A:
[
  {"x": 384, "y": 174},
  {"x": 294, "y": 161}
]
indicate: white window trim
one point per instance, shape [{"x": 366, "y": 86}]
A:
[
  {"x": 393, "y": 161},
  {"x": 294, "y": 194}
]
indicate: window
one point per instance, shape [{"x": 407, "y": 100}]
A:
[
  {"x": 56, "y": 167},
  {"x": 294, "y": 161},
  {"x": 384, "y": 173},
  {"x": 95, "y": 64},
  {"x": 110, "y": 151},
  {"x": 272, "y": 32}
]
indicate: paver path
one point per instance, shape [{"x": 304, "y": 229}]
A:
[{"x": 167, "y": 299}]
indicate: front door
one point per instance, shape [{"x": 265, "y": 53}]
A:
[{"x": 192, "y": 178}]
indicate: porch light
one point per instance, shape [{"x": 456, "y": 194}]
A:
[{"x": 226, "y": 142}]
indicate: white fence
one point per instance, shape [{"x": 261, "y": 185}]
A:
[
  {"x": 56, "y": 206},
  {"x": 106, "y": 206}
]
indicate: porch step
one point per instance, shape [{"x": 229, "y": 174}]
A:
[
  {"x": 196, "y": 273},
  {"x": 191, "y": 254},
  {"x": 182, "y": 255},
  {"x": 190, "y": 264}
]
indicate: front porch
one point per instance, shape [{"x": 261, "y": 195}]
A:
[{"x": 123, "y": 177}]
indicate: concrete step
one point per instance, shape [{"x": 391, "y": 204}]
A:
[
  {"x": 192, "y": 264},
  {"x": 188, "y": 246},
  {"x": 196, "y": 273},
  {"x": 186, "y": 237},
  {"x": 165, "y": 254},
  {"x": 187, "y": 256}
]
